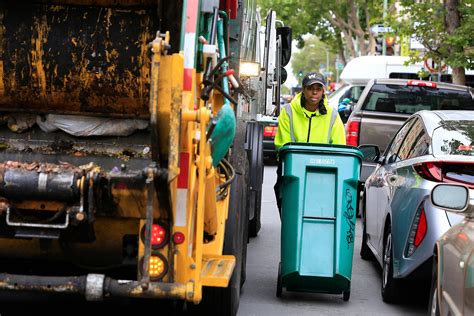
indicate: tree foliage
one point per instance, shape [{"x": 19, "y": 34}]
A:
[
  {"x": 329, "y": 19},
  {"x": 311, "y": 57},
  {"x": 431, "y": 23}
]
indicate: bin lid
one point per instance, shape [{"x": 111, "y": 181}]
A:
[{"x": 328, "y": 149}]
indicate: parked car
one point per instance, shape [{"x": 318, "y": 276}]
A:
[
  {"x": 350, "y": 91},
  {"x": 385, "y": 104},
  {"x": 399, "y": 223},
  {"x": 452, "y": 288},
  {"x": 360, "y": 70},
  {"x": 270, "y": 125}
]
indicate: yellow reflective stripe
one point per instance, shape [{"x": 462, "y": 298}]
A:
[
  {"x": 333, "y": 119},
  {"x": 289, "y": 111}
]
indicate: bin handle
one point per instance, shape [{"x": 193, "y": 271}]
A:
[{"x": 320, "y": 217}]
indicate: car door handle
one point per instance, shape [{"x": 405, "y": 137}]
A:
[{"x": 392, "y": 179}]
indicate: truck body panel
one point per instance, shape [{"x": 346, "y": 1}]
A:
[{"x": 110, "y": 116}]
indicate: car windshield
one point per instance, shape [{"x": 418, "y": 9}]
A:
[
  {"x": 406, "y": 99},
  {"x": 454, "y": 138},
  {"x": 339, "y": 92}
]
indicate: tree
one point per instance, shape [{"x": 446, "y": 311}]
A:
[
  {"x": 311, "y": 57},
  {"x": 445, "y": 28},
  {"x": 329, "y": 19}
]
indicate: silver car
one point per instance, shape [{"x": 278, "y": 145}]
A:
[
  {"x": 452, "y": 287},
  {"x": 400, "y": 224},
  {"x": 385, "y": 104}
]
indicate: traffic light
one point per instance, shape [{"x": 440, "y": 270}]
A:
[
  {"x": 300, "y": 73},
  {"x": 390, "y": 41},
  {"x": 378, "y": 45}
]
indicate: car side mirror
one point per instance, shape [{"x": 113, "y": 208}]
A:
[
  {"x": 453, "y": 198},
  {"x": 371, "y": 152}
]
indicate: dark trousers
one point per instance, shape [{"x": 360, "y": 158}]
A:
[{"x": 277, "y": 186}]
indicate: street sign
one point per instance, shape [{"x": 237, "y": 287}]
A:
[
  {"x": 379, "y": 28},
  {"x": 434, "y": 67},
  {"x": 415, "y": 43}
]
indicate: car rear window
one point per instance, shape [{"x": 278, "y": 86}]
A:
[
  {"x": 405, "y": 99},
  {"x": 454, "y": 138}
]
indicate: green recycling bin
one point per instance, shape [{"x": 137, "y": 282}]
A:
[{"x": 319, "y": 193}]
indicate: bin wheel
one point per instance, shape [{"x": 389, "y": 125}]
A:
[
  {"x": 279, "y": 286},
  {"x": 346, "y": 295}
]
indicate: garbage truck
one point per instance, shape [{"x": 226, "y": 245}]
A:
[{"x": 125, "y": 149}]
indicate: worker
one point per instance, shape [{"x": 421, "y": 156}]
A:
[{"x": 308, "y": 119}]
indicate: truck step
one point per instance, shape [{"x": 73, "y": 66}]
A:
[{"x": 217, "y": 270}]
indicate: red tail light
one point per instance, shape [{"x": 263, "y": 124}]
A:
[
  {"x": 178, "y": 238},
  {"x": 418, "y": 231},
  {"x": 352, "y": 132},
  {"x": 446, "y": 171},
  {"x": 159, "y": 236},
  {"x": 421, "y": 83},
  {"x": 269, "y": 131},
  {"x": 430, "y": 171},
  {"x": 421, "y": 229}
]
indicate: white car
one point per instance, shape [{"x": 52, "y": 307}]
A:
[{"x": 452, "y": 287}]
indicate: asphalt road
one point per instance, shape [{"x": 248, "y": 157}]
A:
[{"x": 258, "y": 296}]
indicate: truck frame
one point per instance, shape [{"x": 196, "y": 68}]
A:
[{"x": 125, "y": 152}]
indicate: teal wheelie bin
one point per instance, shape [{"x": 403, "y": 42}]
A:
[{"x": 318, "y": 218}]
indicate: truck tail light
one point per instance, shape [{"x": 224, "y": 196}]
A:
[
  {"x": 269, "y": 131},
  {"x": 159, "y": 235},
  {"x": 352, "y": 131},
  {"x": 418, "y": 231},
  {"x": 157, "y": 267},
  {"x": 178, "y": 238}
]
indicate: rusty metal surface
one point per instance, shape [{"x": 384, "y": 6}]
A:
[
  {"x": 75, "y": 59},
  {"x": 78, "y": 285},
  {"x": 105, "y": 3},
  {"x": 20, "y": 183},
  {"x": 59, "y": 147}
]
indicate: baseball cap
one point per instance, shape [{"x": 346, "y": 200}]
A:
[{"x": 312, "y": 78}]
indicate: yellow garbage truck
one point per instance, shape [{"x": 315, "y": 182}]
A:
[{"x": 128, "y": 147}]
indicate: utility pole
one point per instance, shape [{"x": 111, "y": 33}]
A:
[
  {"x": 384, "y": 44},
  {"x": 327, "y": 62}
]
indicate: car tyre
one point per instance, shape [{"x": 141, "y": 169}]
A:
[
  {"x": 390, "y": 285},
  {"x": 434, "y": 302},
  {"x": 365, "y": 252}
]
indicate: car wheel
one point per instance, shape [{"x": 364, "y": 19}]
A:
[
  {"x": 434, "y": 303},
  {"x": 365, "y": 252},
  {"x": 390, "y": 285}
]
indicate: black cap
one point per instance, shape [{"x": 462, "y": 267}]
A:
[{"x": 312, "y": 78}]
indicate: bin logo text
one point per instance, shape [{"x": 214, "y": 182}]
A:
[{"x": 320, "y": 161}]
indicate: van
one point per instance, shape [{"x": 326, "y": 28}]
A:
[{"x": 360, "y": 70}]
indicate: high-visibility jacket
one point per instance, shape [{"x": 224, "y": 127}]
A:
[{"x": 308, "y": 127}]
